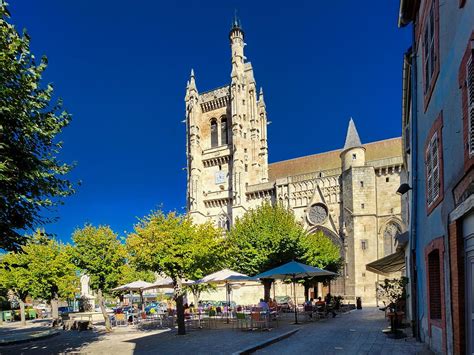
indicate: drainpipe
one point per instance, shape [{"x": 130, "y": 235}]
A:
[{"x": 414, "y": 191}]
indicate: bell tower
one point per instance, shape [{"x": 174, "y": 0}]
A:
[{"x": 226, "y": 140}]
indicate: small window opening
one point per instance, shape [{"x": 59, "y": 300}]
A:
[
  {"x": 362, "y": 205},
  {"x": 246, "y": 168},
  {"x": 361, "y": 184},
  {"x": 214, "y": 141},
  {"x": 387, "y": 179},
  {"x": 354, "y": 156},
  {"x": 364, "y": 245}
]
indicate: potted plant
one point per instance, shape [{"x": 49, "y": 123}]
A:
[{"x": 394, "y": 292}]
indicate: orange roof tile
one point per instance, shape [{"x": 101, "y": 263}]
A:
[{"x": 387, "y": 148}]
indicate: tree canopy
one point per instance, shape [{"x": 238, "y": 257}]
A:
[
  {"x": 269, "y": 236},
  {"x": 98, "y": 252},
  {"x": 172, "y": 245},
  {"x": 129, "y": 273},
  {"x": 41, "y": 269},
  {"x": 31, "y": 176},
  {"x": 265, "y": 237},
  {"x": 320, "y": 251}
]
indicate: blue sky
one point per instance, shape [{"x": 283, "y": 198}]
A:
[{"x": 121, "y": 68}]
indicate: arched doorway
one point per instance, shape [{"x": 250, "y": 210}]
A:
[{"x": 337, "y": 286}]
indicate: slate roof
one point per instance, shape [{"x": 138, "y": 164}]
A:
[{"x": 352, "y": 137}]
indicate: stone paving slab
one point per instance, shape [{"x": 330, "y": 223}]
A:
[{"x": 359, "y": 332}]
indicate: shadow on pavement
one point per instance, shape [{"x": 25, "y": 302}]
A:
[{"x": 65, "y": 342}]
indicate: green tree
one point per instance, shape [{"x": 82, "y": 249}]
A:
[
  {"x": 265, "y": 237},
  {"x": 31, "y": 177},
  {"x": 320, "y": 251},
  {"x": 98, "y": 252},
  {"x": 51, "y": 273},
  {"x": 269, "y": 236},
  {"x": 14, "y": 276},
  {"x": 129, "y": 273},
  {"x": 172, "y": 245},
  {"x": 41, "y": 269}
]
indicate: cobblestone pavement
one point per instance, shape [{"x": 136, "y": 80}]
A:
[
  {"x": 359, "y": 332},
  {"x": 353, "y": 333}
]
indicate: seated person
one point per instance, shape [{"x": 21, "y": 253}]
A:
[
  {"x": 263, "y": 305},
  {"x": 272, "y": 304},
  {"x": 309, "y": 302},
  {"x": 320, "y": 302}
]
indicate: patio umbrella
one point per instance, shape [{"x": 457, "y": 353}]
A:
[
  {"x": 134, "y": 286},
  {"x": 167, "y": 282},
  {"x": 225, "y": 276},
  {"x": 293, "y": 270}
]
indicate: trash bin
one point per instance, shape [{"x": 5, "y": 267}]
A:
[{"x": 359, "y": 303}]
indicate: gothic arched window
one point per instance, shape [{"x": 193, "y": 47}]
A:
[
  {"x": 214, "y": 140},
  {"x": 224, "y": 139},
  {"x": 223, "y": 222},
  {"x": 391, "y": 231}
]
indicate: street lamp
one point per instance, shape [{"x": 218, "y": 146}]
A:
[{"x": 403, "y": 189}]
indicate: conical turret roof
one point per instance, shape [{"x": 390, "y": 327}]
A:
[{"x": 352, "y": 137}]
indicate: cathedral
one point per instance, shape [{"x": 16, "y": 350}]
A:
[{"x": 349, "y": 194}]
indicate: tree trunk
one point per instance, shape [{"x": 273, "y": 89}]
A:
[
  {"x": 196, "y": 295},
  {"x": 22, "y": 311},
  {"x": 54, "y": 310},
  {"x": 178, "y": 297},
  {"x": 306, "y": 292},
  {"x": 108, "y": 326},
  {"x": 315, "y": 290},
  {"x": 267, "y": 286}
]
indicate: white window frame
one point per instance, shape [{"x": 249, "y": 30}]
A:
[
  {"x": 428, "y": 46},
  {"x": 433, "y": 178},
  {"x": 470, "y": 104}
]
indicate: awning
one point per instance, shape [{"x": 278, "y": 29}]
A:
[{"x": 391, "y": 263}]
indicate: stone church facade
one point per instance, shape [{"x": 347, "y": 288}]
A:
[{"x": 349, "y": 193}]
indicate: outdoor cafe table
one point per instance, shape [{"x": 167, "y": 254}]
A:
[{"x": 80, "y": 316}]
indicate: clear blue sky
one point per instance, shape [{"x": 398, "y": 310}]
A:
[{"x": 121, "y": 68}]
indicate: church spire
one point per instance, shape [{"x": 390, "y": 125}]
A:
[
  {"x": 260, "y": 97},
  {"x": 236, "y": 24},
  {"x": 192, "y": 82},
  {"x": 236, "y": 36},
  {"x": 352, "y": 137}
]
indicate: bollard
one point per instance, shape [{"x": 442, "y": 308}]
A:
[{"x": 359, "y": 303}]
